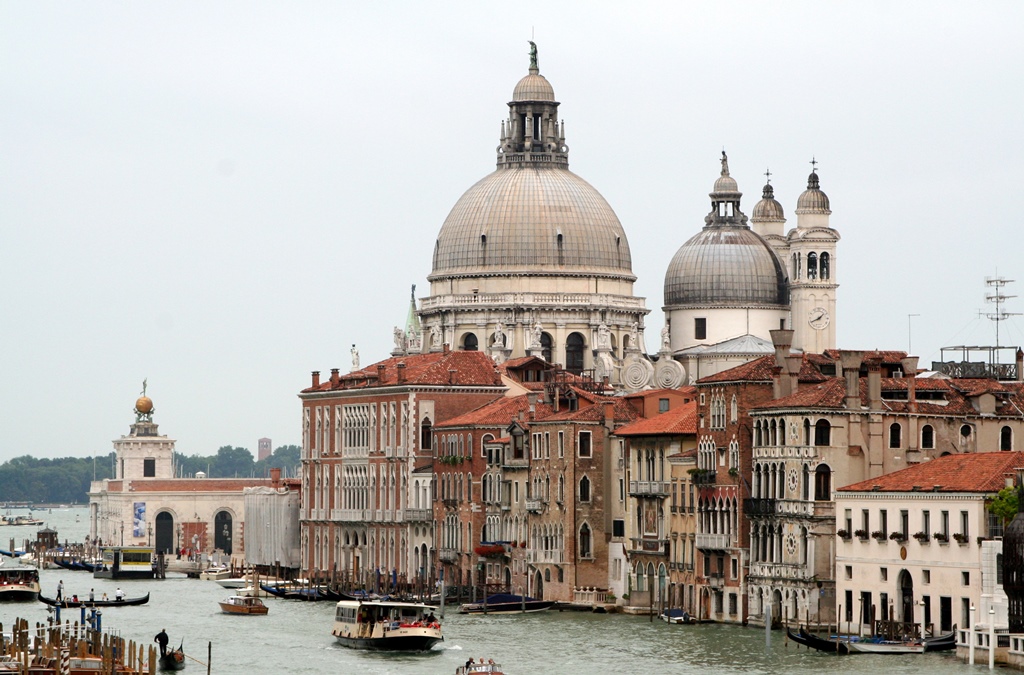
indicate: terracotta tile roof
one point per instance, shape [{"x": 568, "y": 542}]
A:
[
  {"x": 623, "y": 412},
  {"x": 758, "y": 370},
  {"x": 470, "y": 368},
  {"x": 974, "y": 472},
  {"x": 827, "y": 394},
  {"x": 498, "y": 413},
  {"x": 679, "y": 420},
  {"x": 888, "y": 357},
  {"x": 197, "y": 484}
]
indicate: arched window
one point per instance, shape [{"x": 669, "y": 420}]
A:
[
  {"x": 822, "y": 433},
  {"x": 895, "y": 435},
  {"x": 584, "y": 489},
  {"x": 574, "y": 353},
  {"x": 927, "y": 437},
  {"x": 812, "y": 266},
  {"x": 425, "y": 434},
  {"x": 1006, "y": 439},
  {"x": 585, "y": 541},
  {"x": 824, "y": 263},
  {"x": 469, "y": 342},
  {"x": 796, "y": 265},
  {"x": 807, "y": 431},
  {"x": 545, "y": 347},
  {"x": 822, "y": 483}
]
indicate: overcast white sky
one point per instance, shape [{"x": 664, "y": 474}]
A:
[{"x": 222, "y": 197}]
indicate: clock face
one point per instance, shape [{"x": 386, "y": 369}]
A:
[{"x": 818, "y": 318}]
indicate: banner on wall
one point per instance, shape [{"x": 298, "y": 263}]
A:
[{"x": 139, "y": 529}]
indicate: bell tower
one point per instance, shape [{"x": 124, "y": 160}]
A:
[{"x": 812, "y": 270}]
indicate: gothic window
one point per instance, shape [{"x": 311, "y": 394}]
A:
[
  {"x": 470, "y": 343},
  {"x": 812, "y": 266},
  {"x": 823, "y": 266},
  {"x": 734, "y": 410},
  {"x": 895, "y": 435},
  {"x": 574, "y": 353},
  {"x": 585, "y": 541},
  {"x": 584, "y": 489},
  {"x": 1006, "y": 438},
  {"x": 927, "y": 437}
]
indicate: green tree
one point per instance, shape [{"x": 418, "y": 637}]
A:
[
  {"x": 1004, "y": 504},
  {"x": 233, "y": 462}
]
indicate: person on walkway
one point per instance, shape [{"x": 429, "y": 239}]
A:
[
  {"x": 60, "y": 590},
  {"x": 162, "y": 639}
]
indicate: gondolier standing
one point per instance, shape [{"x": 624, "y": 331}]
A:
[
  {"x": 162, "y": 639},
  {"x": 60, "y": 590}
]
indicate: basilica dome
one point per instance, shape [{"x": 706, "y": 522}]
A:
[{"x": 531, "y": 220}]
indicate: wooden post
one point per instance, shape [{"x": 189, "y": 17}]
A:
[{"x": 209, "y": 656}]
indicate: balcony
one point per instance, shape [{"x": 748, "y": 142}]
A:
[
  {"x": 450, "y": 503},
  {"x": 535, "y": 505},
  {"x": 648, "y": 488},
  {"x": 448, "y": 555},
  {"x": 650, "y": 546},
  {"x": 760, "y": 507},
  {"x": 711, "y": 542},
  {"x": 716, "y": 579},
  {"x": 704, "y": 477},
  {"x": 353, "y": 515},
  {"x": 534, "y": 556},
  {"x": 515, "y": 463},
  {"x": 506, "y": 504},
  {"x": 419, "y": 515}
]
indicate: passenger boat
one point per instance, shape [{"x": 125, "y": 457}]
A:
[
  {"x": 126, "y": 562},
  {"x": 18, "y": 581},
  {"x": 506, "y": 603},
  {"x": 481, "y": 668},
  {"x": 173, "y": 660},
  {"x": 243, "y": 604},
  {"x": 67, "y": 602},
  {"x": 385, "y": 625}
]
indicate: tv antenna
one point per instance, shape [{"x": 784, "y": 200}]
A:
[{"x": 998, "y": 298}]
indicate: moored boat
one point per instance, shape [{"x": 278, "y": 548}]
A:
[
  {"x": 66, "y": 602},
  {"x": 243, "y": 604},
  {"x": 17, "y": 580},
  {"x": 506, "y": 603},
  {"x": 676, "y": 615},
  {"x": 386, "y": 625}
]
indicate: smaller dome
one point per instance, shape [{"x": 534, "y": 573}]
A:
[
  {"x": 725, "y": 183},
  {"x": 768, "y": 208},
  {"x": 533, "y": 87},
  {"x": 144, "y": 405},
  {"x": 813, "y": 200}
]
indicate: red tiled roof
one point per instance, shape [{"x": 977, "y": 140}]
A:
[
  {"x": 196, "y": 484},
  {"x": 679, "y": 420},
  {"x": 974, "y": 472},
  {"x": 827, "y": 394},
  {"x": 498, "y": 413},
  {"x": 621, "y": 412},
  {"x": 469, "y": 369},
  {"x": 758, "y": 370}
]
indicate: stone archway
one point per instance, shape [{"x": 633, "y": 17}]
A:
[
  {"x": 905, "y": 585},
  {"x": 164, "y": 541},
  {"x": 222, "y": 531},
  {"x": 538, "y": 586},
  {"x": 776, "y": 608}
]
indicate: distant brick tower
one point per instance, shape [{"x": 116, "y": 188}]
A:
[{"x": 264, "y": 449}]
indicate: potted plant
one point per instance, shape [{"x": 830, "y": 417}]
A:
[
  {"x": 734, "y": 472},
  {"x": 922, "y": 537},
  {"x": 879, "y": 535},
  {"x": 897, "y": 536},
  {"x": 845, "y": 534},
  {"x": 961, "y": 538},
  {"x": 861, "y": 534},
  {"x": 942, "y": 537}
]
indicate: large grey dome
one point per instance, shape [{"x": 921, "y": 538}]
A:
[
  {"x": 726, "y": 265},
  {"x": 530, "y": 219}
]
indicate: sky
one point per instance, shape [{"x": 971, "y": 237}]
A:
[{"x": 220, "y": 197}]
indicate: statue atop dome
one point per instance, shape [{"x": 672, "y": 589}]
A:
[
  {"x": 533, "y": 55},
  {"x": 725, "y": 164}
]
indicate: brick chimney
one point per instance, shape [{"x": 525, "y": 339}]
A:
[
  {"x": 316, "y": 378},
  {"x": 275, "y": 477},
  {"x": 874, "y": 384},
  {"x": 531, "y": 399},
  {"x": 609, "y": 414},
  {"x": 850, "y": 361},
  {"x": 910, "y": 371},
  {"x": 782, "y": 339},
  {"x": 1020, "y": 365},
  {"x": 401, "y": 372},
  {"x": 446, "y": 348},
  {"x": 451, "y": 374},
  {"x": 335, "y": 378},
  {"x": 381, "y": 373}
]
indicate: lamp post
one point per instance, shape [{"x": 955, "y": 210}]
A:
[
  {"x": 122, "y": 534},
  {"x": 149, "y": 538},
  {"x": 991, "y": 637},
  {"x": 970, "y": 635}
]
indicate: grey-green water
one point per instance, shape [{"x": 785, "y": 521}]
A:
[{"x": 295, "y": 636}]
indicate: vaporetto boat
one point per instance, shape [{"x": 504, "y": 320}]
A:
[
  {"x": 17, "y": 580},
  {"x": 386, "y": 625}
]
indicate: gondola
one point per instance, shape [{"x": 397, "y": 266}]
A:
[
  {"x": 506, "y": 603},
  {"x": 173, "y": 660},
  {"x": 941, "y": 643},
  {"x": 66, "y": 603},
  {"x": 802, "y": 637}
]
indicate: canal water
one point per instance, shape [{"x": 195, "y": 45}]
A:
[{"x": 295, "y": 636}]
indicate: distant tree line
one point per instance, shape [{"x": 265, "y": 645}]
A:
[{"x": 65, "y": 480}]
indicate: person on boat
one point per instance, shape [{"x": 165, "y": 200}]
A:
[
  {"x": 92, "y": 595},
  {"x": 686, "y": 616},
  {"x": 162, "y": 640},
  {"x": 104, "y": 597},
  {"x": 60, "y": 590},
  {"x": 119, "y": 595},
  {"x": 431, "y": 618},
  {"x": 74, "y": 598}
]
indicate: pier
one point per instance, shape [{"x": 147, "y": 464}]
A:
[{"x": 71, "y": 649}]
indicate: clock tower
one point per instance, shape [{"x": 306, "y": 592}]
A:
[{"x": 812, "y": 271}]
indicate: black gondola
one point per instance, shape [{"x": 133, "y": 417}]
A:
[
  {"x": 802, "y": 637},
  {"x": 66, "y": 603},
  {"x": 173, "y": 660}
]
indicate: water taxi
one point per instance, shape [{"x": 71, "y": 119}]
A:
[
  {"x": 480, "y": 668},
  {"x": 243, "y": 604},
  {"x": 18, "y": 581},
  {"x": 386, "y": 625}
]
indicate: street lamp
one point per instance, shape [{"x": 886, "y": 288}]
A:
[
  {"x": 991, "y": 638},
  {"x": 122, "y": 534},
  {"x": 149, "y": 539},
  {"x": 971, "y": 636}
]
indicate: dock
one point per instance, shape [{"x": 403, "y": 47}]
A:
[{"x": 71, "y": 649}]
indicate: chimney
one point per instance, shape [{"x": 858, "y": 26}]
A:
[
  {"x": 446, "y": 348},
  {"x": 451, "y": 372},
  {"x": 910, "y": 371},
  {"x": 380, "y": 373},
  {"x": 316, "y": 379},
  {"x": 531, "y": 398},
  {"x": 275, "y": 477},
  {"x": 401, "y": 372},
  {"x": 850, "y": 361},
  {"x": 783, "y": 340},
  {"x": 335, "y": 378},
  {"x": 874, "y": 384},
  {"x": 609, "y": 414},
  {"x": 1020, "y": 365},
  {"x": 793, "y": 364}
]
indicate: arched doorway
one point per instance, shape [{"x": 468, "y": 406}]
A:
[
  {"x": 508, "y": 579},
  {"x": 776, "y": 608},
  {"x": 538, "y": 586},
  {"x": 222, "y": 531},
  {"x": 905, "y": 584},
  {"x": 164, "y": 533}
]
